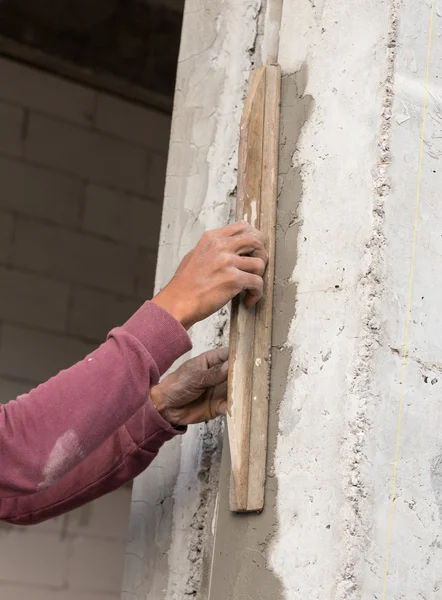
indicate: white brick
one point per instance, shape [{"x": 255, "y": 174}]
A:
[
  {"x": 6, "y": 228},
  {"x": 33, "y": 300},
  {"x": 40, "y": 91},
  {"x": 94, "y": 314},
  {"x": 9, "y": 390},
  {"x": 14, "y": 592},
  {"x": 52, "y": 526},
  {"x": 96, "y": 565},
  {"x": 73, "y": 256},
  {"x": 98, "y": 157},
  {"x": 41, "y": 193},
  {"x": 11, "y": 125},
  {"x": 107, "y": 517},
  {"x": 122, "y": 217},
  {"x": 134, "y": 122},
  {"x": 37, "y": 356},
  {"x": 30, "y": 558},
  {"x": 147, "y": 264},
  {"x": 156, "y": 177}
]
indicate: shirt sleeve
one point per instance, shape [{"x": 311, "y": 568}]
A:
[
  {"x": 96, "y": 417},
  {"x": 123, "y": 456}
]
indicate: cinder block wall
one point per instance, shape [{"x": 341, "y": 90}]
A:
[{"x": 81, "y": 187}]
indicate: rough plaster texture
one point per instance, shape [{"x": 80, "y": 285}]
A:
[
  {"x": 358, "y": 156},
  {"x": 352, "y": 100}
]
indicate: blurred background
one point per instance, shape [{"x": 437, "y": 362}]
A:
[{"x": 86, "y": 93}]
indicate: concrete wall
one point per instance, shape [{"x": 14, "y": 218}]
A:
[
  {"x": 82, "y": 177},
  {"x": 173, "y": 503},
  {"x": 352, "y": 101}
]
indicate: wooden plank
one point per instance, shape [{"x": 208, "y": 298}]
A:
[
  {"x": 242, "y": 326},
  {"x": 250, "y": 330},
  {"x": 263, "y": 316}
]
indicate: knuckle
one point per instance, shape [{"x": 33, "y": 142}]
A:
[
  {"x": 223, "y": 260},
  {"x": 261, "y": 266},
  {"x": 204, "y": 239},
  {"x": 208, "y": 236},
  {"x": 244, "y": 225},
  {"x": 233, "y": 274},
  {"x": 218, "y": 244}
]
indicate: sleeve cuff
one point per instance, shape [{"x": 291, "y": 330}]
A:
[
  {"x": 161, "y": 423},
  {"x": 164, "y": 337}
]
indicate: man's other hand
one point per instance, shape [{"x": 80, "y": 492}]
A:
[{"x": 196, "y": 391}]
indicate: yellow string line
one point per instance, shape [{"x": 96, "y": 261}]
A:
[{"x": 410, "y": 292}]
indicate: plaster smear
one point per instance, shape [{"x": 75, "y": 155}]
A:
[
  {"x": 323, "y": 507},
  {"x": 358, "y": 158},
  {"x": 64, "y": 455}
]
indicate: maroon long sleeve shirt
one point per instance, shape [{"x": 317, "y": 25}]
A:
[{"x": 91, "y": 428}]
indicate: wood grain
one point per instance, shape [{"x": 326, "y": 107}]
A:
[
  {"x": 242, "y": 327},
  {"x": 250, "y": 330},
  {"x": 263, "y": 315}
]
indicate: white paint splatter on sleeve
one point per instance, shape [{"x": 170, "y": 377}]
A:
[{"x": 64, "y": 456}]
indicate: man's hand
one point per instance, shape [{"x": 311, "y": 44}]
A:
[
  {"x": 224, "y": 263},
  {"x": 196, "y": 391}
]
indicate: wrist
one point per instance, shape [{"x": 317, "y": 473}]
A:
[
  {"x": 160, "y": 404},
  {"x": 179, "y": 310},
  {"x": 158, "y": 401}
]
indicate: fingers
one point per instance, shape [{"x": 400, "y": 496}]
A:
[
  {"x": 250, "y": 264},
  {"x": 210, "y": 405},
  {"x": 216, "y": 356},
  {"x": 249, "y": 243},
  {"x": 217, "y": 402},
  {"x": 214, "y": 376},
  {"x": 253, "y": 285},
  {"x": 221, "y": 409},
  {"x": 234, "y": 228},
  {"x": 242, "y": 239}
]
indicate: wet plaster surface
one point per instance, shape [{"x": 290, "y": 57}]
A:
[
  {"x": 338, "y": 421},
  {"x": 240, "y": 569}
]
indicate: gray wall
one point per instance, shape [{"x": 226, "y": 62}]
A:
[{"x": 353, "y": 97}]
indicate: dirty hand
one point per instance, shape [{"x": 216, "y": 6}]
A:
[
  {"x": 224, "y": 263},
  {"x": 196, "y": 391}
]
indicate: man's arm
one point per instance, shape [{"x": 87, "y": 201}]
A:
[
  {"x": 195, "y": 392},
  {"x": 123, "y": 456},
  {"x": 45, "y": 435},
  {"x": 48, "y": 432}
]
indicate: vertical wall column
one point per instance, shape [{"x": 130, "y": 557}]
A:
[
  {"x": 354, "y": 84},
  {"x": 174, "y": 501}
]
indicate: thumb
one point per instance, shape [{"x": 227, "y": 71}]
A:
[
  {"x": 222, "y": 409},
  {"x": 215, "y": 375}
]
